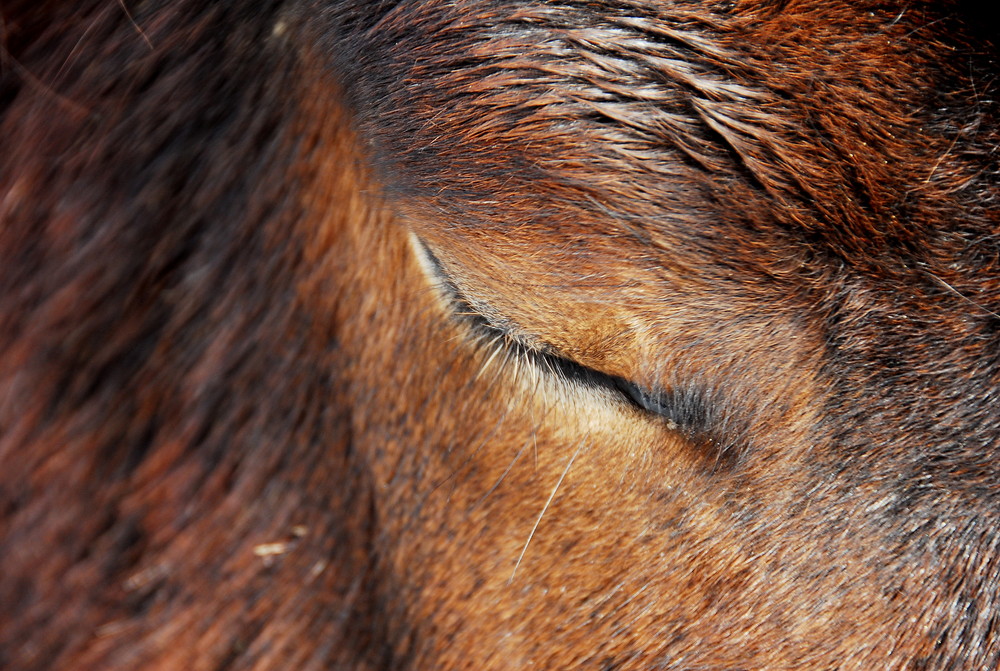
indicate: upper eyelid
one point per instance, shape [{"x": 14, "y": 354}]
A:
[
  {"x": 567, "y": 368},
  {"x": 538, "y": 350}
]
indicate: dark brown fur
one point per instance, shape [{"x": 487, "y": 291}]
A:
[{"x": 497, "y": 335}]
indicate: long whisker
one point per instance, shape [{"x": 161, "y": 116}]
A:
[
  {"x": 542, "y": 514},
  {"x": 963, "y": 296}
]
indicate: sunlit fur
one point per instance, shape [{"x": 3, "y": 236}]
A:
[{"x": 426, "y": 334}]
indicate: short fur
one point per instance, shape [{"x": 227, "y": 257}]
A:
[{"x": 441, "y": 335}]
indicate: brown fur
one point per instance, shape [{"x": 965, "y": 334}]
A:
[{"x": 496, "y": 335}]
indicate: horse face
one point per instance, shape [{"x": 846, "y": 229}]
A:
[{"x": 622, "y": 335}]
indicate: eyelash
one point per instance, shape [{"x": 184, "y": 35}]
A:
[
  {"x": 546, "y": 361},
  {"x": 565, "y": 369}
]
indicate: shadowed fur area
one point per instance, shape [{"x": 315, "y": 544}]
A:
[{"x": 499, "y": 334}]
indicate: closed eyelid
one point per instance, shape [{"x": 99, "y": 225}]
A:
[{"x": 490, "y": 327}]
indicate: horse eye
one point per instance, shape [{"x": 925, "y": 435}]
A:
[
  {"x": 540, "y": 354},
  {"x": 652, "y": 403}
]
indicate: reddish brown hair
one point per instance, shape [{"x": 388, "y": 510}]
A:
[{"x": 438, "y": 335}]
